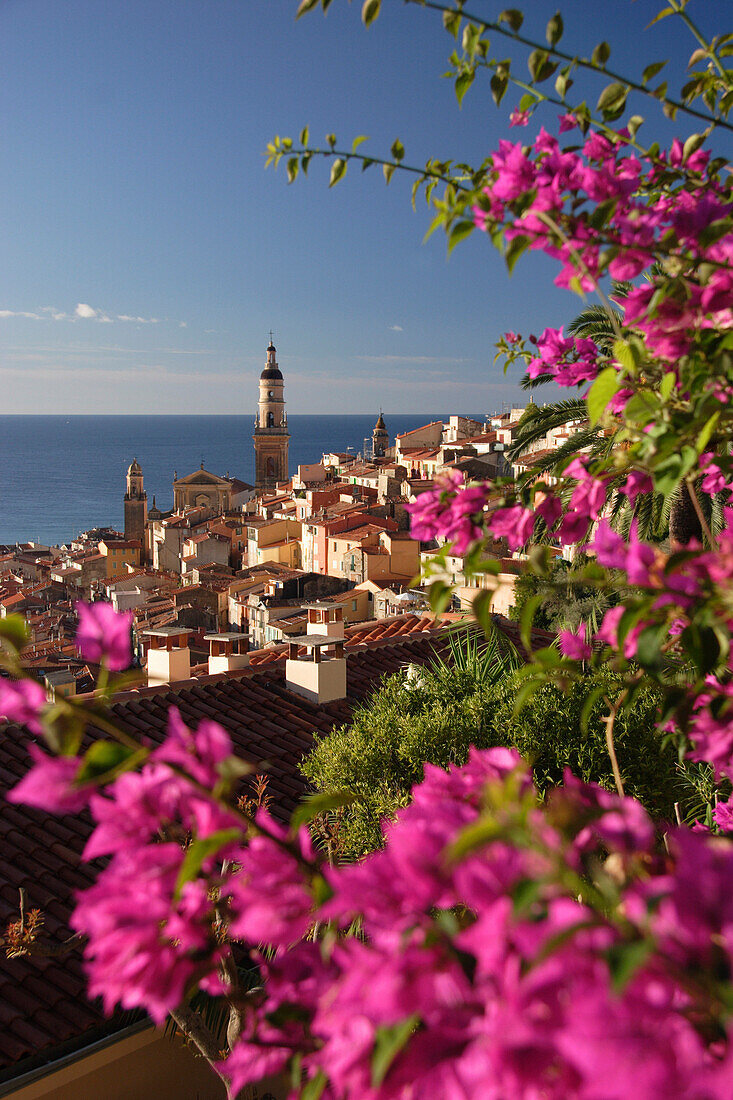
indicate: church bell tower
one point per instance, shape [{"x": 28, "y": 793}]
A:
[
  {"x": 271, "y": 436},
  {"x": 136, "y": 504}
]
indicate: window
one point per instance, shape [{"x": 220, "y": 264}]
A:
[{"x": 353, "y": 605}]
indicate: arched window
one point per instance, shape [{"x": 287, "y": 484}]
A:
[
  {"x": 270, "y": 420},
  {"x": 270, "y": 466}
]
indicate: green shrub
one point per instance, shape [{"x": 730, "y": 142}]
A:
[
  {"x": 548, "y": 733},
  {"x": 435, "y": 719}
]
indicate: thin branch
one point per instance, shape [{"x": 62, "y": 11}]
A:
[
  {"x": 191, "y": 1024},
  {"x": 705, "y": 526},
  {"x": 609, "y": 722},
  {"x": 581, "y": 62}
]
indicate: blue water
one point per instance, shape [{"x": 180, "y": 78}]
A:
[{"x": 60, "y": 475}]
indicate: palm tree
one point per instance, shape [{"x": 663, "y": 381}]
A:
[{"x": 655, "y": 518}]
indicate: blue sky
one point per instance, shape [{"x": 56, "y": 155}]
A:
[{"x": 147, "y": 252}]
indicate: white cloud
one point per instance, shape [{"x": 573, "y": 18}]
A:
[
  {"x": 183, "y": 324},
  {"x": 396, "y": 328},
  {"x": 4, "y": 313},
  {"x": 139, "y": 320},
  {"x": 85, "y": 312}
]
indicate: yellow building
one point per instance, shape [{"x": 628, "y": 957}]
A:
[{"x": 121, "y": 554}]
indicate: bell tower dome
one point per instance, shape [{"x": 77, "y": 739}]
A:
[{"x": 271, "y": 435}]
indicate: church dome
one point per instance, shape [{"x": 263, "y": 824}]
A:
[
  {"x": 135, "y": 468},
  {"x": 271, "y": 374},
  {"x": 380, "y": 426}
]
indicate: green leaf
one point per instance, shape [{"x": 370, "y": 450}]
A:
[
  {"x": 624, "y": 959},
  {"x": 605, "y": 386},
  {"x": 667, "y": 385},
  {"x": 648, "y": 651},
  {"x": 692, "y": 144},
  {"x": 452, "y": 22},
  {"x": 305, "y": 6},
  {"x": 440, "y": 595},
  {"x": 481, "y": 608},
  {"x": 338, "y": 170},
  {"x": 459, "y": 232},
  {"x": 314, "y": 804},
  {"x": 358, "y": 141},
  {"x": 540, "y": 66},
  {"x": 660, "y": 15},
  {"x": 705, "y": 433},
  {"x": 601, "y": 54},
  {"x": 370, "y": 11},
  {"x": 199, "y": 851},
  {"x": 633, "y": 124},
  {"x": 13, "y": 629},
  {"x": 293, "y": 165},
  {"x": 554, "y": 30},
  {"x": 528, "y": 612},
  {"x": 515, "y": 248},
  {"x": 469, "y": 41},
  {"x": 612, "y": 100},
  {"x": 590, "y": 701},
  {"x": 397, "y": 150},
  {"x": 512, "y": 17},
  {"x": 304, "y": 136},
  {"x": 388, "y": 1042},
  {"x": 651, "y": 70},
  {"x": 314, "y": 1086},
  {"x": 499, "y": 85},
  {"x": 106, "y": 759},
  {"x": 623, "y": 354},
  {"x": 464, "y": 80},
  {"x": 563, "y": 83},
  {"x": 331, "y": 139}
]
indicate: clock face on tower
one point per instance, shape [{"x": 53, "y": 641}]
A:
[{"x": 270, "y": 393}]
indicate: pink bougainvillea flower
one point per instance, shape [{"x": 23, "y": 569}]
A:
[
  {"x": 518, "y": 118},
  {"x": 145, "y": 940},
  {"x": 574, "y": 643},
  {"x": 513, "y": 524},
  {"x": 198, "y": 752},
  {"x": 269, "y": 899},
  {"x": 49, "y": 785},
  {"x": 723, "y": 817},
  {"x": 21, "y": 701},
  {"x": 103, "y": 635}
]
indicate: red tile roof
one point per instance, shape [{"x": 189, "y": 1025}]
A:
[{"x": 42, "y": 1001}]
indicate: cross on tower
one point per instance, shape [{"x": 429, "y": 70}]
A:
[{"x": 270, "y": 335}]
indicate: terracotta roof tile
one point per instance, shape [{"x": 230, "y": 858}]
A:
[{"x": 42, "y": 1000}]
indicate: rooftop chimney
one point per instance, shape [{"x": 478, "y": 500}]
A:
[
  {"x": 169, "y": 658},
  {"x": 320, "y": 676},
  {"x": 227, "y": 652}
]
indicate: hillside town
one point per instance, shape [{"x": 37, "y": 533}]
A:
[{"x": 235, "y": 567}]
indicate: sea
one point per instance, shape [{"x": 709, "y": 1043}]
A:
[{"x": 61, "y": 475}]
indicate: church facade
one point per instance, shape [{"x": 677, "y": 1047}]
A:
[
  {"x": 271, "y": 435},
  {"x": 202, "y": 489}
]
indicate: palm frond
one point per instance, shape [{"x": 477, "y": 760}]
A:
[{"x": 538, "y": 421}]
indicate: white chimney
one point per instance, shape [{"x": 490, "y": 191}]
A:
[
  {"x": 325, "y": 618},
  {"x": 320, "y": 676},
  {"x": 169, "y": 658},
  {"x": 227, "y": 652}
]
